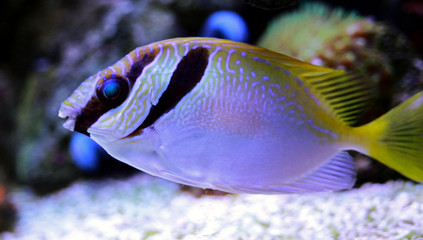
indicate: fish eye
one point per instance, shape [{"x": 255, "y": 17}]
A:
[{"x": 112, "y": 90}]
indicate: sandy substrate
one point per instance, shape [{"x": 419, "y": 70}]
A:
[{"x": 144, "y": 207}]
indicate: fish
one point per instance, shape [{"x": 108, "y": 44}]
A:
[{"x": 224, "y": 115}]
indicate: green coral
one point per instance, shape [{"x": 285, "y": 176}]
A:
[{"x": 304, "y": 33}]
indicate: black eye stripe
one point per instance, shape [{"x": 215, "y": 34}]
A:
[
  {"x": 137, "y": 67},
  {"x": 89, "y": 115},
  {"x": 93, "y": 110},
  {"x": 188, "y": 73}
]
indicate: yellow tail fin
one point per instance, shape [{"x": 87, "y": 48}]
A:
[{"x": 397, "y": 138}]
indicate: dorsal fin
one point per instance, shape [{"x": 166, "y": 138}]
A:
[{"x": 348, "y": 95}]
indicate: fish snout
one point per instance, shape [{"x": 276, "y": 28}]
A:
[{"x": 70, "y": 113}]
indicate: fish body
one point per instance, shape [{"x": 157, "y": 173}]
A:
[{"x": 218, "y": 114}]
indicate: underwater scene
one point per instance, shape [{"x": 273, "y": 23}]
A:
[{"x": 211, "y": 119}]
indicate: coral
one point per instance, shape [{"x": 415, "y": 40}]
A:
[
  {"x": 144, "y": 207},
  {"x": 307, "y": 33}
]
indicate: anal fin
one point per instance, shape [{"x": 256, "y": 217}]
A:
[{"x": 335, "y": 175}]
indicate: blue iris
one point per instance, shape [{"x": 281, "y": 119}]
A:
[
  {"x": 227, "y": 25},
  {"x": 111, "y": 90}
]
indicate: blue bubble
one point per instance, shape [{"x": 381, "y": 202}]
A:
[
  {"x": 85, "y": 153},
  {"x": 226, "y": 25}
]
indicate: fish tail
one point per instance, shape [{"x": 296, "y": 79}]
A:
[{"x": 396, "y": 138}]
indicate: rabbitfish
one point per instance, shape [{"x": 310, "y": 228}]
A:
[{"x": 224, "y": 115}]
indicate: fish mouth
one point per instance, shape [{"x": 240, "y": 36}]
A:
[{"x": 69, "y": 113}]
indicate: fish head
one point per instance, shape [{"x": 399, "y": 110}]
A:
[
  {"x": 96, "y": 106},
  {"x": 112, "y": 103}
]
